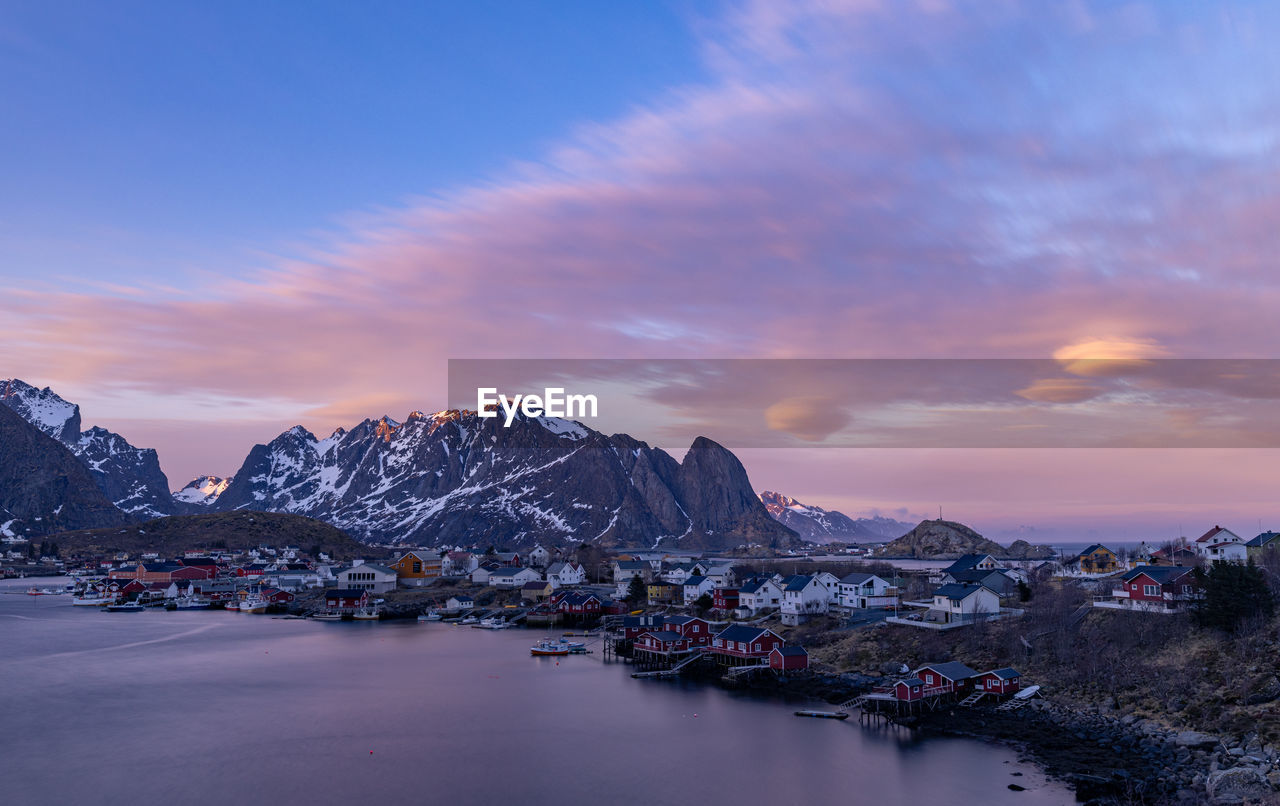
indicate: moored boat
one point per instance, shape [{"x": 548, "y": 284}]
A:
[
  {"x": 824, "y": 714},
  {"x": 327, "y": 616},
  {"x": 548, "y": 647},
  {"x": 367, "y": 614},
  {"x": 91, "y": 601},
  {"x": 253, "y": 605},
  {"x": 430, "y": 615},
  {"x": 125, "y": 607},
  {"x": 493, "y": 623}
]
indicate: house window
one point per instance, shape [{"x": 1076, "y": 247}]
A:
[{"x": 1150, "y": 590}]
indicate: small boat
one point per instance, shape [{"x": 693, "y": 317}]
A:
[
  {"x": 469, "y": 620},
  {"x": 367, "y": 614},
  {"x": 430, "y": 615},
  {"x": 824, "y": 714},
  {"x": 327, "y": 616},
  {"x": 233, "y": 606},
  {"x": 34, "y": 592},
  {"x": 493, "y": 623},
  {"x": 125, "y": 607},
  {"x": 192, "y": 603},
  {"x": 547, "y": 647}
]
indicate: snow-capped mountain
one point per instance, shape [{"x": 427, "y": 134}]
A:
[
  {"x": 203, "y": 491},
  {"x": 130, "y": 477},
  {"x": 44, "y": 488},
  {"x": 824, "y": 526},
  {"x": 455, "y": 478}
]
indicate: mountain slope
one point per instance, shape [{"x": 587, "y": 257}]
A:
[
  {"x": 820, "y": 525},
  {"x": 455, "y": 478},
  {"x": 130, "y": 477},
  {"x": 43, "y": 487},
  {"x": 176, "y": 534}
]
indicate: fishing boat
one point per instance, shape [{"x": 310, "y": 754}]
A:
[
  {"x": 549, "y": 647},
  {"x": 430, "y": 615},
  {"x": 192, "y": 603},
  {"x": 91, "y": 601},
  {"x": 125, "y": 607},
  {"x": 469, "y": 620},
  {"x": 254, "y": 605},
  {"x": 327, "y": 616},
  {"x": 824, "y": 714},
  {"x": 493, "y": 623},
  {"x": 232, "y": 605},
  {"x": 367, "y": 614}
]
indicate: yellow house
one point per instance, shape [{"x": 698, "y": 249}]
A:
[
  {"x": 663, "y": 592},
  {"x": 1097, "y": 559},
  {"x": 417, "y": 567}
]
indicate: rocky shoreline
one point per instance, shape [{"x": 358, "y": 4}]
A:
[{"x": 1106, "y": 757}]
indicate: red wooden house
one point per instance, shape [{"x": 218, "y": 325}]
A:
[
  {"x": 1160, "y": 588},
  {"x": 346, "y": 599},
  {"x": 724, "y": 598},
  {"x": 635, "y": 626},
  {"x": 277, "y": 596},
  {"x": 697, "y": 630},
  {"x": 788, "y": 658},
  {"x": 576, "y": 603},
  {"x": 741, "y": 642},
  {"x": 908, "y": 689},
  {"x": 945, "y": 678},
  {"x": 193, "y": 572},
  {"x": 251, "y": 570},
  {"x": 998, "y": 681}
]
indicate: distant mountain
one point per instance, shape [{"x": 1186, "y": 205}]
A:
[
  {"x": 44, "y": 488},
  {"x": 171, "y": 536},
  {"x": 820, "y": 525},
  {"x": 939, "y": 539},
  {"x": 130, "y": 477},
  {"x": 203, "y": 491},
  {"x": 459, "y": 479}
]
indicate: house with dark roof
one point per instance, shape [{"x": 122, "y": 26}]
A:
[
  {"x": 1259, "y": 547},
  {"x": 998, "y": 682},
  {"x": 759, "y": 594},
  {"x": 788, "y": 659},
  {"x": 742, "y": 644},
  {"x": 1221, "y": 545},
  {"x": 961, "y": 603},
  {"x": 1096, "y": 559},
  {"x": 1154, "y": 589},
  {"x": 860, "y": 590},
  {"x": 970, "y": 562},
  {"x": 941, "y": 679},
  {"x": 804, "y": 596},
  {"x": 1002, "y": 583},
  {"x": 661, "y": 644}
]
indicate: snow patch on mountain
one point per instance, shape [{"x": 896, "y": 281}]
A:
[{"x": 202, "y": 491}]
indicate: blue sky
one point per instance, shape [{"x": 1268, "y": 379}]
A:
[{"x": 154, "y": 138}]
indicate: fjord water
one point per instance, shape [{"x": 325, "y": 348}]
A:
[{"x": 216, "y": 707}]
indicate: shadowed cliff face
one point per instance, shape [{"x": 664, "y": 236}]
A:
[
  {"x": 44, "y": 488},
  {"x": 452, "y": 477}
]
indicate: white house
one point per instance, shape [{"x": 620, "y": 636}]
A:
[
  {"x": 624, "y": 570},
  {"x": 677, "y": 573},
  {"x": 859, "y": 591},
  {"x": 294, "y": 581},
  {"x": 562, "y": 575},
  {"x": 720, "y": 572},
  {"x": 695, "y": 587},
  {"x": 759, "y": 594},
  {"x": 456, "y": 604},
  {"x": 1222, "y": 545},
  {"x": 538, "y": 557},
  {"x": 367, "y": 577},
  {"x": 957, "y": 603},
  {"x": 512, "y": 577},
  {"x": 804, "y": 596},
  {"x": 458, "y": 564}
]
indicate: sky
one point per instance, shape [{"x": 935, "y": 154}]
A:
[{"x": 217, "y": 222}]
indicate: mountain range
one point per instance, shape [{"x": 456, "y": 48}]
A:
[
  {"x": 818, "y": 525},
  {"x": 445, "y": 478}
]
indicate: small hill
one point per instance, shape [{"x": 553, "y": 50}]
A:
[
  {"x": 939, "y": 539},
  {"x": 241, "y": 529}
]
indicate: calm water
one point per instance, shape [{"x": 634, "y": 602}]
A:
[{"x": 214, "y": 707}]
